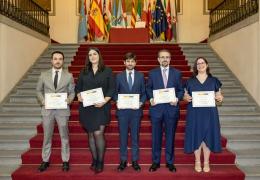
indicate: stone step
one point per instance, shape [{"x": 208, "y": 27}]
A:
[
  {"x": 6, "y": 171},
  {"x": 240, "y": 127},
  {"x": 242, "y": 141},
  {"x": 252, "y": 172},
  {"x": 18, "y": 117},
  {"x": 18, "y": 128},
  {"x": 9, "y": 157},
  {"x": 14, "y": 142},
  {"x": 239, "y": 116},
  {"x": 248, "y": 157}
]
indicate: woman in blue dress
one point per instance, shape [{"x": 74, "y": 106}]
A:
[{"x": 202, "y": 123}]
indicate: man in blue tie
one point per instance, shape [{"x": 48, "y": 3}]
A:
[
  {"x": 130, "y": 81},
  {"x": 166, "y": 115}
]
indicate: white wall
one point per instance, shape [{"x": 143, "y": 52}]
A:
[
  {"x": 64, "y": 25},
  {"x": 240, "y": 51},
  {"x": 192, "y": 24},
  {"x": 18, "y": 51}
]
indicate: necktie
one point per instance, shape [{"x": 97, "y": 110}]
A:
[
  {"x": 130, "y": 80},
  {"x": 164, "y": 78},
  {"x": 56, "y": 79}
]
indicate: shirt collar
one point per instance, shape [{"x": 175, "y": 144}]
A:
[
  {"x": 127, "y": 71},
  {"x": 162, "y": 68},
  {"x": 54, "y": 70}
]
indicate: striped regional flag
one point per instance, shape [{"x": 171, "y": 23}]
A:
[{"x": 133, "y": 18}]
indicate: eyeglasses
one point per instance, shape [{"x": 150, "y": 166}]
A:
[
  {"x": 200, "y": 63},
  {"x": 165, "y": 57}
]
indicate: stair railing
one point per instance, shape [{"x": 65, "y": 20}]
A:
[
  {"x": 28, "y": 13},
  {"x": 230, "y": 12}
]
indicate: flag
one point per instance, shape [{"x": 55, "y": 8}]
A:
[
  {"x": 90, "y": 36},
  {"x": 145, "y": 13},
  {"x": 113, "y": 16},
  {"x": 149, "y": 19},
  {"x": 159, "y": 20},
  {"x": 174, "y": 21},
  {"x": 133, "y": 18},
  {"x": 120, "y": 15},
  {"x": 107, "y": 15},
  {"x": 139, "y": 11},
  {"x": 82, "y": 31},
  {"x": 96, "y": 19},
  {"x": 124, "y": 12},
  {"x": 169, "y": 21}
]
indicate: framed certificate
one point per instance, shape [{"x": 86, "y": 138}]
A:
[
  {"x": 56, "y": 101},
  {"x": 203, "y": 99},
  {"x": 93, "y": 96},
  {"x": 161, "y": 96},
  {"x": 128, "y": 101}
]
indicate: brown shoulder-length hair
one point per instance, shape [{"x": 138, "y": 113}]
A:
[
  {"x": 88, "y": 64},
  {"x": 195, "y": 70}
]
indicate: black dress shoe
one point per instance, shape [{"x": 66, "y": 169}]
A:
[
  {"x": 122, "y": 166},
  {"x": 136, "y": 166},
  {"x": 65, "y": 166},
  {"x": 43, "y": 166},
  {"x": 171, "y": 167},
  {"x": 154, "y": 167},
  {"x": 99, "y": 167}
]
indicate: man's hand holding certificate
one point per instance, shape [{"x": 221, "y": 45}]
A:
[
  {"x": 56, "y": 101},
  {"x": 203, "y": 99},
  {"x": 128, "y": 101},
  {"x": 161, "y": 96},
  {"x": 92, "y": 97}
]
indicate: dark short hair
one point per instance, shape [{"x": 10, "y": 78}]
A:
[
  {"x": 163, "y": 50},
  {"x": 57, "y": 52},
  {"x": 195, "y": 69},
  {"x": 130, "y": 55}
]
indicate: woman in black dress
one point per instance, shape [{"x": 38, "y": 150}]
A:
[{"x": 94, "y": 118}]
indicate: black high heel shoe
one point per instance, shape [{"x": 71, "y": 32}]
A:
[
  {"x": 99, "y": 167},
  {"x": 93, "y": 165}
]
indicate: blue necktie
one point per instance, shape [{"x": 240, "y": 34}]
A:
[{"x": 130, "y": 81}]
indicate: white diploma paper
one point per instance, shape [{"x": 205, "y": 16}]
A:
[
  {"x": 128, "y": 101},
  {"x": 161, "y": 96},
  {"x": 93, "y": 96},
  {"x": 56, "y": 101},
  {"x": 203, "y": 99}
]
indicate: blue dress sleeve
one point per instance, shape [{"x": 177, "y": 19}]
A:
[{"x": 218, "y": 84}]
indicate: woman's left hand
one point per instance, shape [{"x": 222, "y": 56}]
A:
[{"x": 219, "y": 97}]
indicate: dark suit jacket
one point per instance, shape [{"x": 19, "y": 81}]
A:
[
  {"x": 123, "y": 88},
  {"x": 155, "y": 81}
]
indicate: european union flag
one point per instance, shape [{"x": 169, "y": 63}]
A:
[{"x": 159, "y": 19}]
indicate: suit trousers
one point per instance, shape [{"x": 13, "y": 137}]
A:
[
  {"x": 132, "y": 122},
  {"x": 48, "y": 128},
  {"x": 169, "y": 125}
]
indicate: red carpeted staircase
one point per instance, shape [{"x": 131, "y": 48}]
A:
[{"x": 223, "y": 164}]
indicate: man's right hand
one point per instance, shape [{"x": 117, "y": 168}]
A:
[{"x": 152, "y": 102}]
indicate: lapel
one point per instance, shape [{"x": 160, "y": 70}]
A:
[
  {"x": 135, "y": 80},
  {"x": 160, "y": 78},
  {"x": 50, "y": 80},
  {"x": 62, "y": 79}
]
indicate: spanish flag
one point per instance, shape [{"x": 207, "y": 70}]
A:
[{"x": 96, "y": 20}]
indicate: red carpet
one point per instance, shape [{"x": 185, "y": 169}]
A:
[{"x": 223, "y": 164}]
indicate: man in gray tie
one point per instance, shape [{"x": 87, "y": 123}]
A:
[{"x": 55, "y": 80}]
